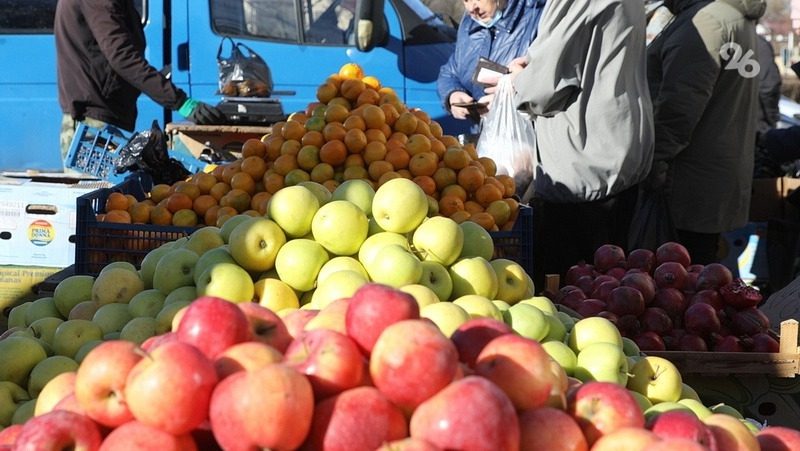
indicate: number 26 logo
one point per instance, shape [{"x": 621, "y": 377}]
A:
[{"x": 745, "y": 64}]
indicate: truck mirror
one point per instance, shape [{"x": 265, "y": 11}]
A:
[{"x": 370, "y": 24}]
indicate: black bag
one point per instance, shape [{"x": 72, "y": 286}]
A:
[
  {"x": 147, "y": 151},
  {"x": 243, "y": 73},
  {"x": 652, "y": 223}
]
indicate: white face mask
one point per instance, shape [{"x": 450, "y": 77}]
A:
[{"x": 490, "y": 22}]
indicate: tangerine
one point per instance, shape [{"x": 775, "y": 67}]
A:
[
  {"x": 424, "y": 163},
  {"x": 333, "y": 152},
  {"x": 487, "y": 193},
  {"x": 355, "y": 121},
  {"x": 273, "y": 182},
  {"x": 116, "y": 201},
  {"x": 374, "y": 151},
  {"x": 398, "y": 157},
  {"x": 377, "y": 168},
  {"x": 351, "y": 88},
  {"x": 218, "y": 190},
  {"x": 334, "y": 131},
  {"x": 244, "y": 182},
  {"x": 178, "y": 201},
  {"x": 254, "y": 147},
  {"x": 285, "y": 163},
  {"x": 293, "y": 129},
  {"x": 427, "y": 184},
  {"x": 160, "y": 192},
  {"x": 449, "y": 205},
  {"x": 203, "y": 203},
  {"x": 184, "y": 218},
  {"x": 372, "y": 82},
  {"x": 140, "y": 212},
  {"x": 460, "y": 216},
  {"x": 308, "y": 157},
  {"x": 322, "y": 172},
  {"x": 118, "y": 216},
  {"x": 351, "y": 70},
  {"x": 254, "y": 166},
  {"x": 355, "y": 140},
  {"x": 313, "y": 138},
  {"x": 336, "y": 113},
  {"x": 471, "y": 178},
  {"x": 160, "y": 215}
]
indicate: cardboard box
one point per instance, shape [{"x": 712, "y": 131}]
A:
[
  {"x": 768, "y": 199},
  {"x": 37, "y": 221},
  {"x": 18, "y": 285}
]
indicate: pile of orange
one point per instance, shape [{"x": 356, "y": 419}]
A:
[{"x": 356, "y": 130}]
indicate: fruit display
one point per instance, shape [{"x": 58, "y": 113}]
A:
[
  {"x": 664, "y": 302},
  {"x": 238, "y": 376},
  {"x": 357, "y": 130}
]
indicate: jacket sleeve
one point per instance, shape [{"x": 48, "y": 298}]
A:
[
  {"x": 448, "y": 80},
  {"x": 769, "y": 83},
  {"x": 107, "y": 20},
  {"x": 552, "y": 78},
  {"x": 690, "y": 67}
]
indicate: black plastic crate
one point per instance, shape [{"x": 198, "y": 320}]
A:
[{"x": 517, "y": 243}]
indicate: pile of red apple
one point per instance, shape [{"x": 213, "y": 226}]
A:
[
  {"x": 664, "y": 302},
  {"x": 232, "y": 376}
]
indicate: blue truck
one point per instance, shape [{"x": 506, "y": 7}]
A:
[{"x": 401, "y": 42}]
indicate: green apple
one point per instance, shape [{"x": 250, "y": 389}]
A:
[
  {"x": 446, "y": 315},
  {"x": 477, "y": 241},
  {"x": 557, "y": 331},
  {"x": 71, "y": 291},
  {"x": 374, "y": 227},
  {"x": 335, "y": 217},
  {"x": 165, "y": 316},
  {"x": 593, "y": 330},
  {"x": 174, "y": 270},
  {"x": 542, "y": 303},
  {"x": 24, "y": 412},
  {"x": 503, "y": 306},
  {"x": 45, "y": 328},
  {"x": 641, "y": 399},
  {"x": 227, "y": 281},
  {"x": 293, "y": 208},
  {"x": 478, "y": 306},
  {"x": 275, "y": 294},
  {"x": 255, "y": 243},
  {"x": 210, "y": 258},
  {"x": 41, "y": 308},
  {"x": 116, "y": 285},
  {"x": 370, "y": 247},
  {"x": 85, "y": 348},
  {"x": 661, "y": 407},
  {"x": 726, "y": 409},
  {"x": 687, "y": 392},
  {"x": 341, "y": 284},
  {"x": 83, "y": 310},
  {"x": 47, "y": 369},
  {"x": 528, "y": 321},
  {"x": 603, "y": 362},
  {"x": 473, "y": 275},
  {"x": 230, "y": 224},
  {"x": 318, "y": 189},
  {"x": 187, "y": 293},
  {"x": 16, "y": 318},
  {"x": 566, "y": 320},
  {"x": 657, "y": 378},
  {"x": 433, "y": 206},
  {"x": 204, "y": 239},
  {"x": 112, "y": 317},
  {"x": 399, "y": 205},
  {"x": 512, "y": 280},
  {"x": 340, "y": 263},
  {"x": 438, "y": 239},
  {"x": 150, "y": 260},
  {"x": 357, "y": 191},
  {"x": 696, "y": 406},
  {"x": 20, "y": 355},
  {"x": 119, "y": 264},
  {"x": 422, "y": 294},
  {"x": 436, "y": 277},
  {"x": 11, "y": 397},
  {"x": 138, "y": 329},
  {"x": 299, "y": 261},
  {"x": 146, "y": 303},
  {"x": 562, "y": 354},
  {"x": 630, "y": 348},
  {"x": 395, "y": 265}
]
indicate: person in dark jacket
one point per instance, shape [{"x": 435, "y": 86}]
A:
[
  {"x": 769, "y": 87},
  {"x": 499, "y": 30},
  {"x": 102, "y": 71},
  {"x": 703, "y": 80}
]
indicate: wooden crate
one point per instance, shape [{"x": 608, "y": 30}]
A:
[{"x": 785, "y": 363}]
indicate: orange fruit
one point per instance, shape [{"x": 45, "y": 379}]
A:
[
  {"x": 218, "y": 190},
  {"x": 377, "y": 168},
  {"x": 355, "y": 172},
  {"x": 483, "y": 219},
  {"x": 355, "y": 140},
  {"x": 258, "y": 198},
  {"x": 160, "y": 192},
  {"x": 285, "y": 163},
  {"x": 131, "y": 200},
  {"x": 454, "y": 190},
  {"x": 254, "y": 166},
  {"x": 424, "y": 163},
  {"x": 351, "y": 70},
  {"x": 236, "y": 199},
  {"x": 290, "y": 147},
  {"x": 438, "y": 147},
  {"x": 229, "y": 171},
  {"x": 210, "y": 218},
  {"x": 160, "y": 215},
  {"x": 308, "y": 157},
  {"x": 296, "y": 176},
  {"x": 334, "y": 131},
  {"x": 244, "y": 182},
  {"x": 399, "y": 158},
  {"x": 354, "y": 159},
  {"x": 487, "y": 193},
  {"x": 373, "y": 116},
  {"x": 354, "y": 121},
  {"x": 368, "y": 96},
  {"x": 471, "y": 178},
  {"x": 203, "y": 203},
  {"x": 449, "y": 205},
  {"x": 333, "y": 152},
  {"x": 204, "y": 181},
  {"x": 406, "y": 123},
  {"x": 335, "y": 80},
  {"x": 374, "y": 151},
  {"x": 471, "y": 150},
  {"x": 314, "y": 123},
  {"x": 116, "y": 201},
  {"x": 118, "y": 216},
  {"x": 497, "y": 183},
  {"x": 405, "y": 173},
  {"x": 336, "y": 113},
  {"x": 273, "y": 182},
  {"x": 184, "y": 218},
  {"x": 253, "y": 147},
  {"x": 188, "y": 188},
  {"x": 445, "y": 176},
  {"x": 274, "y": 145},
  {"x": 460, "y": 216},
  {"x": 322, "y": 172},
  {"x": 313, "y": 138},
  {"x": 326, "y": 91},
  {"x": 352, "y": 88},
  {"x": 340, "y": 101},
  {"x": 178, "y": 201},
  {"x": 387, "y": 176},
  {"x": 330, "y": 184},
  {"x": 140, "y": 212},
  {"x": 390, "y": 113},
  {"x": 449, "y": 141},
  {"x": 422, "y": 128},
  {"x": 500, "y": 211},
  {"x": 427, "y": 184},
  {"x": 436, "y": 129},
  {"x": 293, "y": 129},
  {"x": 372, "y": 82},
  {"x": 374, "y": 134},
  {"x": 223, "y": 214},
  {"x": 472, "y": 206},
  {"x": 489, "y": 166},
  {"x": 418, "y": 143}
]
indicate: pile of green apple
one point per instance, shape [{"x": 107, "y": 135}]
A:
[{"x": 231, "y": 376}]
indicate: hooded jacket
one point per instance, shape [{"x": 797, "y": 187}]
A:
[
  {"x": 704, "y": 86},
  {"x": 100, "y": 61},
  {"x": 585, "y": 86},
  {"x": 504, "y": 41}
]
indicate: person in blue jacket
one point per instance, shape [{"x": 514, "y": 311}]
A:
[{"x": 499, "y": 30}]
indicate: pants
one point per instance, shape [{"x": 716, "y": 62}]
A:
[
  {"x": 565, "y": 234},
  {"x": 68, "y": 127},
  {"x": 702, "y": 247}
]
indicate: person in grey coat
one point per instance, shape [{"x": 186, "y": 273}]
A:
[
  {"x": 583, "y": 81},
  {"x": 703, "y": 77}
]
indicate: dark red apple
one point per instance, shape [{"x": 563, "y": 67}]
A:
[
  {"x": 643, "y": 282},
  {"x": 471, "y": 337},
  {"x": 701, "y": 319},
  {"x": 643, "y": 259},
  {"x": 625, "y": 300}
]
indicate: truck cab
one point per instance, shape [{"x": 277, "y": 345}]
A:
[{"x": 401, "y": 42}]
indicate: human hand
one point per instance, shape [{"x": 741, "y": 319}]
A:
[
  {"x": 201, "y": 113},
  {"x": 517, "y": 64},
  {"x": 486, "y": 100},
  {"x": 657, "y": 178},
  {"x": 457, "y": 97}
]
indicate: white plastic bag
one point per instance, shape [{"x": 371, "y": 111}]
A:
[{"x": 507, "y": 137}]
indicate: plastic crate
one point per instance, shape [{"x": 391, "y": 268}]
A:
[
  {"x": 94, "y": 151},
  {"x": 100, "y": 243},
  {"x": 517, "y": 243}
]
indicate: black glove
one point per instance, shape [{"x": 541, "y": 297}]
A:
[
  {"x": 657, "y": 178},
  {"x": 201, "y": 113}
]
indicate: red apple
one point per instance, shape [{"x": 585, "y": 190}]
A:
[
  {"x": 676, "y": 444},
  {"x": 472, "y": 336},
  {"x": 70, "y": 403},
  {"x": 246, "y": 356},
  {"x": 778, "y": 438},
  {"x": 626, "y": 439},
  {"x": 8, "y": 435},
  {"x": 56, "y": 389},
  {"x": 156, "y": 340},
  {"x": 137, "y": 436},
  {"x": 171, "y": 388},
  {"x": 680, "y": 424},
  {"x": 409, "y": 444},
  {"x": 411, "y": 361},
  {"x": 520, "y": 367},
  {"x": 296, "y": 320},
  {"x": 357, "y": 419},
  {"x": 213, "y": 324},
  {"x": 331, "y": 361},
  {"x": 372, "y": 308},
  {"x": 550, "y": 429},
  {"x": 603, "y": 407},
  {"x": 470, "y": 414},
  {"x": 101, "y": 378},
  {"x": 266, "y": 326},
  {"x": 730, "y": 433},
  {"x": 59, "y": 430},
  {"x": 267, "y": 408}
]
